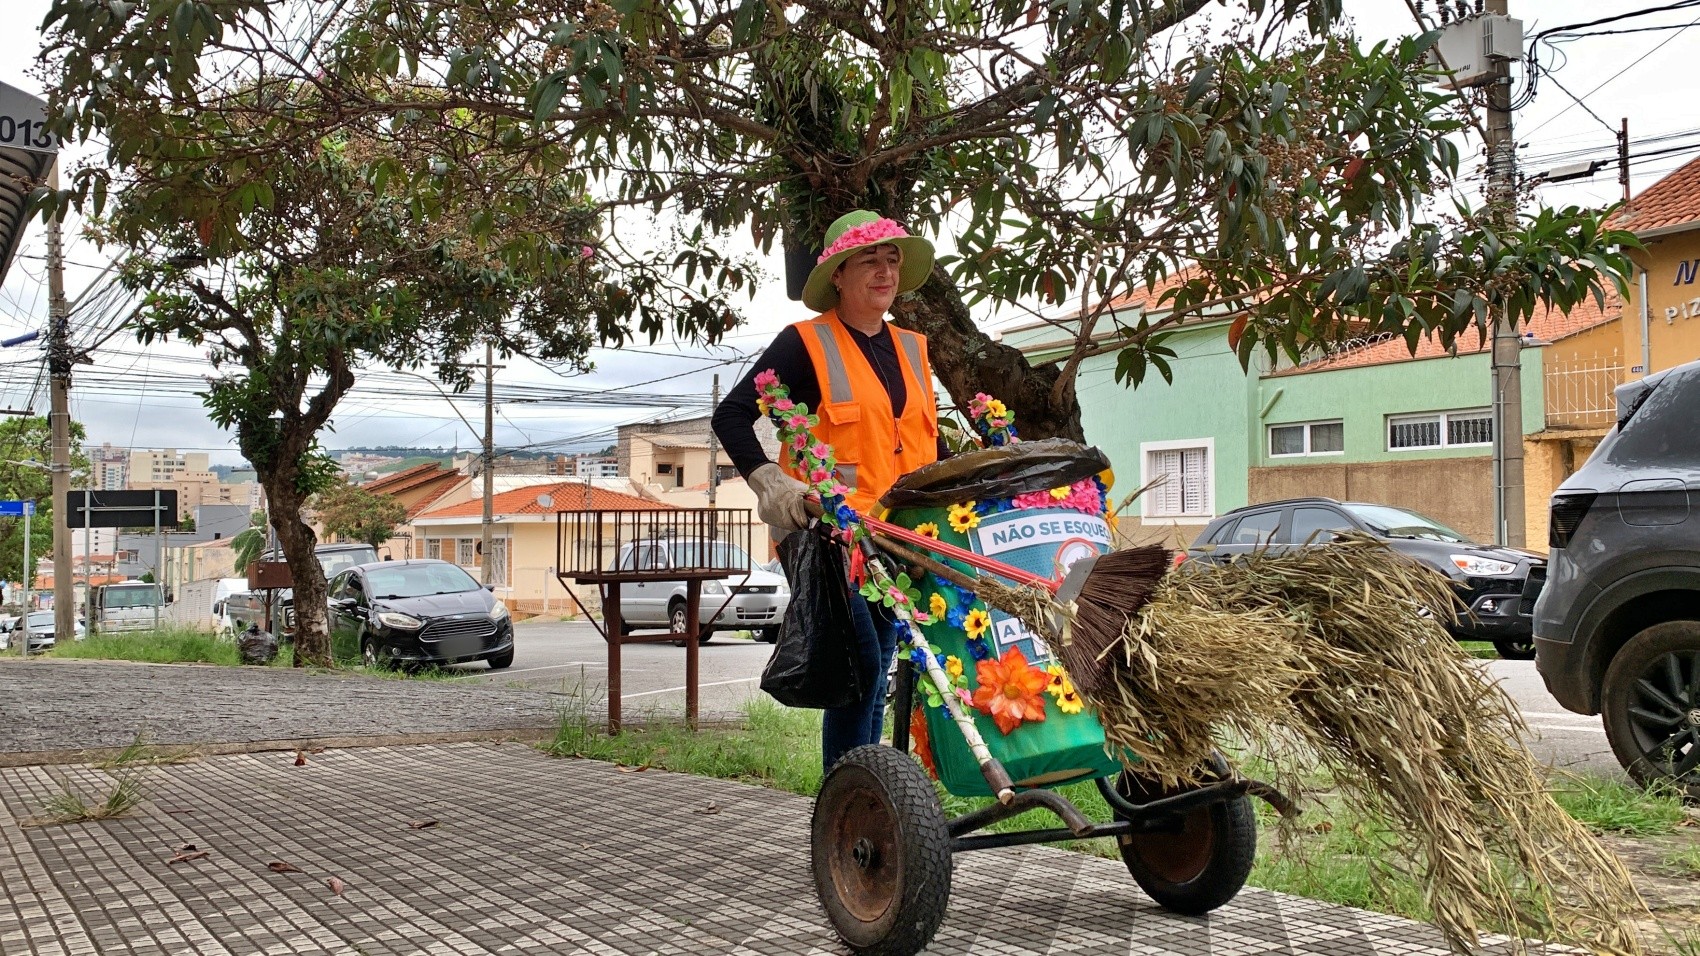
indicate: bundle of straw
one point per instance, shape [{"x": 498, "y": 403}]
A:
[{"x": 1323, "y": 655}]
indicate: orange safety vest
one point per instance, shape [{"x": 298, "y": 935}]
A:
[{"x": 874, "y": 448}]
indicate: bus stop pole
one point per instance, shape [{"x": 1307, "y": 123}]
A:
[
  {"x": 158, "y": 562},
  {"x": 29, "y": 508}
]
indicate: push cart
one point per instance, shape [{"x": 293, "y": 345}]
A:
[{"x": 882, "y": 845}]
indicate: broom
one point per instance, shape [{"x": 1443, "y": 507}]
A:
[{"x": 1086, "y": 610}]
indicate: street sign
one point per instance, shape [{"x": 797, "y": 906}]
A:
[
  {"x": 16, "y": 509},
  {"x": 23, "y": 122},
  {"x": 120, "y": 509}
]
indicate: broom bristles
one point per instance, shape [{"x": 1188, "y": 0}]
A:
[{"x": 1119, "y": 585}]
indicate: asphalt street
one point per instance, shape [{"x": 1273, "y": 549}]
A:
[{"x": 571, "y": 658}]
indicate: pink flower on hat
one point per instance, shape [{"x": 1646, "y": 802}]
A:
[{"x": 868, "y": 233}]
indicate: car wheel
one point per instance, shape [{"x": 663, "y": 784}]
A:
[
  {"x": 370, "y": 657},
  {"x": 676, "y": 621},
  {"x": 1522, "y": 649},
  {"x": 502, "y": 660},
  {"x": 1650, "y": 702}
]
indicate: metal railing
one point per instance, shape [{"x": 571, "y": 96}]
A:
[
  {"x": 1579, "y": 394},
  {"x": 592, "y": 545}
]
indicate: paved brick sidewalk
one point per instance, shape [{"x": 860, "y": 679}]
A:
[
  {"x": 71, "y": 705},
  {"x": 538, "y": 855}
]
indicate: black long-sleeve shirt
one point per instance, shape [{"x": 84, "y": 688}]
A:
[{"x": 734, "y": 419}]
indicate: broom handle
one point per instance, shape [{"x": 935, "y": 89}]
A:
[
  {"x": 961, "y": 554},
  {"x": 926, "y": 563}
]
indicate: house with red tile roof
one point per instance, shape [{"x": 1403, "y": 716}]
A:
[
  {"x": 1666, "y": 218},
  {"x": 1368, "y": 421}
]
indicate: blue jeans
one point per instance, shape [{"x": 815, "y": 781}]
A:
[{"x": 845, "y": 728}]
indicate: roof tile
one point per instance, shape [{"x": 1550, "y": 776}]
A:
[
  {"x": 568, "y": 495},
  {"x": 1672, "y": 201},
  {"x": 1548, "y": 325}
]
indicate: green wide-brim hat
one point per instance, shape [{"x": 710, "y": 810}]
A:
[{"x": 859, "y": 230}]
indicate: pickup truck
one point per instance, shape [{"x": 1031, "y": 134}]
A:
[{"x": 249, "y": 607}]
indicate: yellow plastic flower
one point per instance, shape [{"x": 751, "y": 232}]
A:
[
  {"x": 1058, "y": 680},
  {"x": 953, "y": 666},
  {"x": 976, "y": 622},
  {"x": 963, "y": 518},
  {"x": 996, "y": 408},
  {"x": 1060, "y": 493},
  {"x": 761, "y": 406},
  {"x": 936, "y": 606},
  {"x": 1069, "y": 703},
  {"x": 928, "y": 528}
]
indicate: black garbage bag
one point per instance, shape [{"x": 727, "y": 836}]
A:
[
  {"x": 814, "y": 661},
  {"x": 1001, "y": 472}
]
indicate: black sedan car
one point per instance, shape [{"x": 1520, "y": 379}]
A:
[
  {"x": 1491, "y": 581},
  {"x": 416, "y": 613}
]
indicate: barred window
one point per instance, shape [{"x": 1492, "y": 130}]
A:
[{"x": 1460, "y": 429}]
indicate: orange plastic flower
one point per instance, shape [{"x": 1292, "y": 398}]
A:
[
  {"x": 921, "y": 741},
  {"x": 1011, "y": 690}
]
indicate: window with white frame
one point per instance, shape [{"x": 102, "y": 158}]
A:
[
  {"x": 1299, "y": 439},
  {"x": 499, "y": 561},
  {"x": 1184, "y": 491},
  {"x": 464, "y": 555},
  {"x": 1472, "y": 428},
  {"x": 434, "y": 548}
]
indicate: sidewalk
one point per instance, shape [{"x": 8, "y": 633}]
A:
[
  {"x": 532, "y": 854},
  {"x": 53, "y": 711}
]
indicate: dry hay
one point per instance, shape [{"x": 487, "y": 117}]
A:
[{"x": 1323, "y": 653}]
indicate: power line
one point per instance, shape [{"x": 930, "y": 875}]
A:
[{"x": 1631, "y": 65}]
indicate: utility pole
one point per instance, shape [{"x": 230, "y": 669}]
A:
[
  {"x": 713, "y": 446},
  {"x": 1507, "y": 344},
  {"x": 1623, "y": 159},
  {"x": 59, "y": 360},
  {"x": 489, "y": 459}
]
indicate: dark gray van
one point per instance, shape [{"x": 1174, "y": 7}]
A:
[{"x": 1617, "y": 625}]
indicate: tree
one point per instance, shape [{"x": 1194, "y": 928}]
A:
[
  {"x": 186, "y": 523},
  {"x": 1077, "y": 149},
  {"x": 351, "y": 512},
  {"x": 30, "y": 439},
  {"x": 247, "y": 545}
]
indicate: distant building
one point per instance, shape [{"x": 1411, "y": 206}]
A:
[
  {"x": 675, "y": 454},
  {"x": 594, "y": 466},
  {"x": 110, "y": 467},
  {"x": 189, "y": 475}
]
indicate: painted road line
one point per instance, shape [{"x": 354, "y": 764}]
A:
[
  {"x": 676, "y": 690},
  {"x": 1568, "y": 728}
]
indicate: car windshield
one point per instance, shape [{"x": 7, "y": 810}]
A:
[
  {"x": 130, "y": 597},
  {"x": 338, "y": 561},
  {"x": 418, "y": 580},
  {"x": 41, "y": 621},
  {"x": 1392, "y": 522},
  {"x": 709, "y": 554}
]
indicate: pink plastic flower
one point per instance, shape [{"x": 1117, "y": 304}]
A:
[
  {"x": 840, "y": 489},
  {"x": 797, "y": 421},
  {"x": 818, "y": 475},
  {"x": 783, "y": 404},
  {"x": 766, "y": 379},
  {"x": 880, "y": 230},
  {"x": 585, "y": 252},
  {"x": 801, "y": 442},
  {"x": 966, "y": 696},
  {"x": 822, "y": 450}
]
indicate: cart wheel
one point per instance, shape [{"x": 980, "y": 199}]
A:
[
  {"x": 881, "y": 852},
  {"x": 1199, "y": 867}
]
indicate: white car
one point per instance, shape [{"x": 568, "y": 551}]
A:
[
  {"x": 41, "y": 631},
  {"x": 733, "y": 603}
]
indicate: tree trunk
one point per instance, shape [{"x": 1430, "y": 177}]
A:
[
  {"x": 296, "y": 540},
  {"x": 966, "y": 361}
]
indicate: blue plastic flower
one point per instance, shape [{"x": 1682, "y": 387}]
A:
[
  {"x": 956, "y": 617},
  {"x": 918, "y": 656},
  {"x": 978, "y": 647}
]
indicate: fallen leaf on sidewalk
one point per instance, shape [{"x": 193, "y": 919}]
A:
[
  {"x": 186, "y": 857},
  {"x": 638, "y": 769},
  {"x": 278, "y": 866},
  {"x": 300, "y": 758},
  {"x": 186, "y": 847},
  {"x": 421, "y": 824},
  {"x": 711, "y": 808},
  {"x": 335, "y": 885},
  {"x": 1322, "y": 826}
]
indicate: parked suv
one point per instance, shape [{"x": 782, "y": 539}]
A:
[
  {"x": 1490, "y": 581},
  {"x": 1617, "y": 628},
  {"x": 727, "y": 604}
]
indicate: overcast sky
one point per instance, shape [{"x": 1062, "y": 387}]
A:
[{"x": 1645, "y": 76}]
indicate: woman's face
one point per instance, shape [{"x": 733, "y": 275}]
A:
[{"x": 867, "y": 281}]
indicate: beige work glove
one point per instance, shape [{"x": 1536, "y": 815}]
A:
[{"x": 779, "y": 499}]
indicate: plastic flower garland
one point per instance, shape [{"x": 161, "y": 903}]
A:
[{"x": 994, "y": 422}]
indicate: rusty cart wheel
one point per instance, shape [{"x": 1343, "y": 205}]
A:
[
  {"x": 1199, "y": 864},
  {"x": 881, "y": 852}
]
